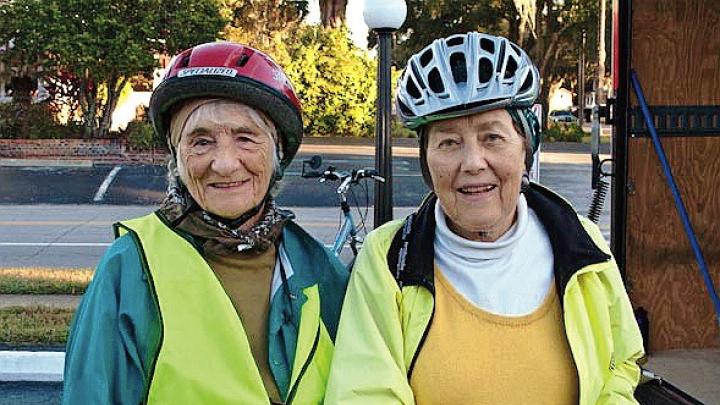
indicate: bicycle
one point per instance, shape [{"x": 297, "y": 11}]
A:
[{"x": 348, "y": 232}]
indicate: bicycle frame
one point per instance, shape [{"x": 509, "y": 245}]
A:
[{"x": 347, "y": 232}]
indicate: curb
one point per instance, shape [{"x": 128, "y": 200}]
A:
[
  {"x": 46, "y": 162},
  {"x": 31, "y": 366}
]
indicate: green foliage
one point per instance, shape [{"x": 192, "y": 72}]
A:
[
  {"x": 102, "y": 43},
  {"x": 39, "y": 121},
  {"x": 335, "y": 80},
  {"x": 33, "y": 280},
  {"x": 399, "y": 130},
  {"x": 564, "y": 133},
  {"x": 140, "y": 136},
  {"x": 430, "y": 19},
  {"x": 256, "y": 22},
  {"x": 34, "y": 325}
]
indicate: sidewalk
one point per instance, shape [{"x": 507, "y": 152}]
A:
[{"x": 51, "y": 300}]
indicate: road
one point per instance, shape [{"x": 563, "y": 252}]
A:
[{"x": 48, "y": 218}]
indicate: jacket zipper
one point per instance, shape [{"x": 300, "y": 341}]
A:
[
  {"x": 293, "y": 390},
  {"x": 425, "y": 333}
]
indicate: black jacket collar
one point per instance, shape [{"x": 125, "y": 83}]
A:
[{"x": 411, "y": 256}]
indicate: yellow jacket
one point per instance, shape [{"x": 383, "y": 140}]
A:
[{"x": 390, "y": 302}]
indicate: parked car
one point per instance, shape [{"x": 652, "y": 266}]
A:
[{"x": 560, "y": 116}]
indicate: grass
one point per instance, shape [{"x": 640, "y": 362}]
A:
[
  {"x": 34, "y": 325},
  {"x": 604, "y": 139},
  {"x": 35, "y": 280}
]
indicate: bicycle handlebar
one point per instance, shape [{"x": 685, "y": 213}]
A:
[{"x": 355, "y": 175}]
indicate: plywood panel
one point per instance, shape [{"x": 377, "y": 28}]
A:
[
  {"x": 676, "y": 54},
  {"x": 662, "y": 272}
]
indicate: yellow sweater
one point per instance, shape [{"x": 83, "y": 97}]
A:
[{"x": 472, "y": 356}]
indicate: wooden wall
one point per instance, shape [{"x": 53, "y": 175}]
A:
[{"x": 676, "y": 54}]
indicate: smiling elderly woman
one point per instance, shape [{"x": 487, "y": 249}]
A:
[
  {"x": 495, "y": 291},
  {"x": 218, "y": 297}
]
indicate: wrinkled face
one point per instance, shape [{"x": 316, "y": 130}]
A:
[
  {"x": 226, "y": 157},
  {"x": 476, "y": 164}
]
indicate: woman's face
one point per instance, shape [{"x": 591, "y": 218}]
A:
[
  {"x": 476, "y": 164},
  {"x": 226, "y": 157}
]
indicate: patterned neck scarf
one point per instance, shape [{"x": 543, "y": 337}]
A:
[{"x": 221, "y": 236}]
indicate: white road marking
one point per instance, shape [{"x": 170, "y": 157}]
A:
[{"x": 106, "y": 183}]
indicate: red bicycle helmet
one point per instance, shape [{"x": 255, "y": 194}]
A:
[{"x": 233, "y": 71}]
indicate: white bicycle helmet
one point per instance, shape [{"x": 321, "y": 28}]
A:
[{"x": 465, "y": 74}]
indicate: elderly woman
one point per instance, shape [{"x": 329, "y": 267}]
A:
[
  {"x": 495, "y": 291},
  {"x": 218, "y": 297}
]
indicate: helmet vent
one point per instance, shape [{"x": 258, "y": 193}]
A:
[
  {"x": 458, "y": 68},
  {"x": 426, "y": 57},
  {"x": 185, "y": 62},
  {"x": 511, "y": 68},
  {"x": 412, "y": 89},
  {"x": 487, "y": 45},
  {"x": 501, "y": 57},
  {"x": 485, "y": 70},
  {"x": 527, "y": 83},
  {"x": 454, "y": 41},
  {"x": 405, "y": 110},
  {"x": 242, "y": 60},
  {"x": 418, "y": 76},
  {"x": 435, "y": 81}
]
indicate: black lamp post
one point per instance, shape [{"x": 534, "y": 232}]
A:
[{"x": 384, "y": 17}]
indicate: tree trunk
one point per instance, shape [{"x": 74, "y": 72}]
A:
[
  {"x": 22, "y": 86},
  {"x": 114, "y": 90},
  {"x": 332, "y": 12},
  {"x": 90, "y": 114}
]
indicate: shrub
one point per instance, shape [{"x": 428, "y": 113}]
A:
[
  {"x": 399, "y": 130},
  {"x": 140, "y": 136},
  {"x": 564, "y": 133},
  {"x": 39, "y": 119},
  {"x": 334, "y": 79}
]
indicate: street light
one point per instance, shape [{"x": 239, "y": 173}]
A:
[{"x": 384, "y": 17}]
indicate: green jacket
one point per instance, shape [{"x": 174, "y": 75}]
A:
[
  {"x": 117, "y": 333},
  {"x": 390, "y": 303}
]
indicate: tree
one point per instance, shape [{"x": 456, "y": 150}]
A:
[
  {"x": 549, "y": 30},
  {"x": 430, "y": 19},
  {"x": 101, "y": 44},
  {"x": 334, "y": 79},
  {"x": 332, "y": 12},
  {"x": 256, "y": 22}
]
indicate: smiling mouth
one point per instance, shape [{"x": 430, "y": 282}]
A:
[
  {"x": 228, "y": 184},
  {"x": 475, "y": 190}
]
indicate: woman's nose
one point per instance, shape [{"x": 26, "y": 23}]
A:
[
  {"x": 474, "y": 158},
  {"x": 226, "y": 161}
]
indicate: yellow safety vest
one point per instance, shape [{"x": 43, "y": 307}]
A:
[{"x": 204, "y": 355}]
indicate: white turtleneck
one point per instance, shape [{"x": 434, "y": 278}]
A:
[{"x": 510, "y": 276}]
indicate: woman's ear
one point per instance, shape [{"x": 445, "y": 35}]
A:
[{"x": 525, "y": 182}]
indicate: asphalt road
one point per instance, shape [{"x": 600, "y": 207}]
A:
[
  {"x": 147, "y": 185},
  {"x": 26, "y": 393},
  {"x": 63, "y": 228}
]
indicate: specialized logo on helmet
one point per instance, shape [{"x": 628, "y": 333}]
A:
[{"x": 207, "y": 71}]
